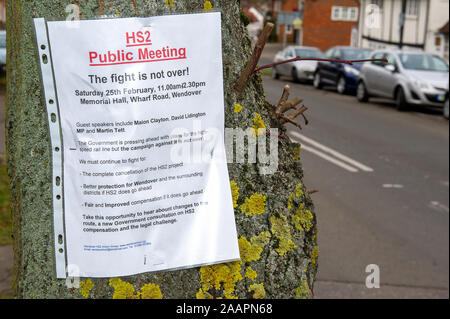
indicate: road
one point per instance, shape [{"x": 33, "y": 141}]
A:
[{"x": 383, "y": 181}]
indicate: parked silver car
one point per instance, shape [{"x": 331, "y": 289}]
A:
[
  {"x": 298, "y": 70},
  {"x": 2, "y": 49},
  {"x": 408, "y": 78}
]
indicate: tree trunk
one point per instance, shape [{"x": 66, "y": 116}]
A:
[{"x": 274, "y": 214}]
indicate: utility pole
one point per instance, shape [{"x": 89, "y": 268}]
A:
[{"x": 402, "y": 23}]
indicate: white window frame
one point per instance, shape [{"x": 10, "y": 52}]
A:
[
  {"x": 337, "y": 13},
  {"x": 355, "y": 11}
]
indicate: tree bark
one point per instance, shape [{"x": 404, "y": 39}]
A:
[{"x": 274, "y": 213}]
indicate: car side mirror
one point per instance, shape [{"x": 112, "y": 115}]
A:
[{"x": 390, "y": 68}]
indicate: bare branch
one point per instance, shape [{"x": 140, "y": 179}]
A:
[
  {"x": 283, "y": 98},
  {"x": 288, "y": 119},
  {"x": 298, "y": 58},
  {"x": 297, "y": 112},
  {"x": 291, "y": 104},
  {"x": 248, "y": 71}
]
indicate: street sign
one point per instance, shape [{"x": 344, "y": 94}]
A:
[{"x": 297, "y": 23}]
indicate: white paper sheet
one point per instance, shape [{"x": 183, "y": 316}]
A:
[{"x": 146, "y": 185}]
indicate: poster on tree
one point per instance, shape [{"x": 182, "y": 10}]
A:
[{"x": 141, "y": 112}]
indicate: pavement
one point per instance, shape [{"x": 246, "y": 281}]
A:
[{"x": 6, "y": 272}]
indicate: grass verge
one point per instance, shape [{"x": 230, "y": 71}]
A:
[
  {"x": 266, "y": 71},
  {"x": 5, "y": 213}
]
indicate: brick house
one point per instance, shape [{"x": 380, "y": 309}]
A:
[
  {"x": 327, "y": 23},
  {"x": 293, "y": 7}
]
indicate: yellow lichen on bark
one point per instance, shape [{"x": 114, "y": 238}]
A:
[
  {"x": 314, "y": 255},
  {"x": 203, "y": 294},
  {"x": 170, "y": 3},
  {"x": 259, "y": 290},
  {"x": 297, "y": 152},
  {"x": 150, "y": 291},
  {"x": 299, "y": 191},
  {"x": 280, "y": 229},
  {"x": 86, "y": 287},
  {"x": 207, "y": 6},
  {"x": 217, "y": 276},
  {"x": 122, "y": 289},
  {"x": 302, "y": 291},
  {"x": 303, "y": 219},
  {"x": 226, "y": 276},
  {"x": 250, "y": 273},
  {"x": 234, "y": 192},
  {"x": 125, "y": 290},
  {"x": 251, "y": 250},
  {"x": 290, "y": 201},
  {"x": 256, "y": 204},
  {"x": 258, "y": 126}
]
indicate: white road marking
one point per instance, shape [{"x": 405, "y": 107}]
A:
[
  {"x": 438, "y": 206},
  {"x": 329, "y": 158},
  {"x": 392, "y": 185},
  {"x": 354, "y": 165}
]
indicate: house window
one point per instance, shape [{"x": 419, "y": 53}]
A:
[
  {"x": 412, "y": 7},
  {"x": 378, "y": 3},
  {"x": 344, "y": 13},
  {"x": 336, "y": 13}
]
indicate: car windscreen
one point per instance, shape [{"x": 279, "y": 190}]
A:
[
  {"x": 355, "y": 54},
  {"x": 423, "y": 62},
  {"x": 2, "y": 42},
  {"x": 309, "y": 53}
]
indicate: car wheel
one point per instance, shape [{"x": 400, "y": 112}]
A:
[
  {"x": 446, "y": 110},
  {"x": 317, "y": 82},
  {"x": 400, "y": 100},
  {"x": 341, "y": 85},
  {"x": 275, "y": 74},
  {"x": 294, "y": 75},
  {"x": 361, "y": 92}
]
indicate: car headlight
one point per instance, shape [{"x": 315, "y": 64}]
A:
[
  {"x": 351, "y": 70},
  {"x": 419, "y": 84}
]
